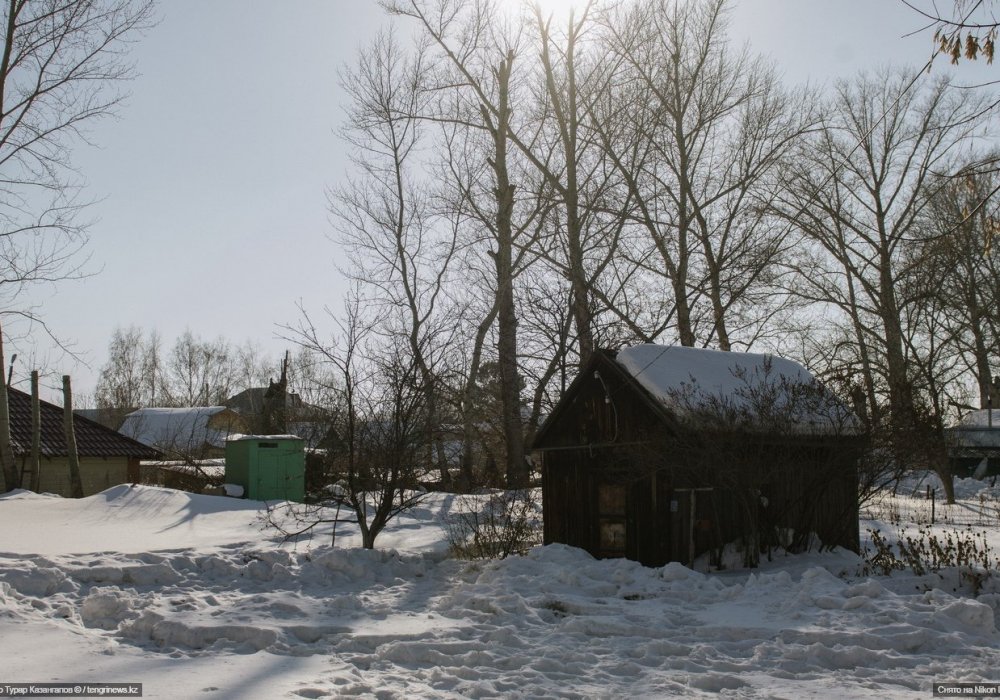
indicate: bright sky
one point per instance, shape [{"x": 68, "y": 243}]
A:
[{"x": 212, "y": 212}]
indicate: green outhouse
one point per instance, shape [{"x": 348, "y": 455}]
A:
[{"x": 268, "y": 467}]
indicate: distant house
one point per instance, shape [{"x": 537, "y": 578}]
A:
[
  {"x": 974, "y": 444},
  {"x": 185, "y": 433},
  {"x": 106, "y": 457},
  {"x": 663, "y": 454},
  {"x": 262, "y": 409},
  {"x": 254, "y": 401}
]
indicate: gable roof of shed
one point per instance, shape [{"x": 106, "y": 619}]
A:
[
  {"x": 752, "y": 391},
  {"x": 92, "y": 438},
  {"x": 684, "y": 386},
  {"x": 600, "y": 360}
]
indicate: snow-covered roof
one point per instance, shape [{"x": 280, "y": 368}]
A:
[
  {"x": 212, "y": 468},
  {"x": 742, "y": 389},
  {"x": 212, "y": 471},
  {"x": 240, "y": 436},
  {"x": 183, "y": 429},
  {"x": 983, "y": 418},
  {"x": 216, "y": 462}
]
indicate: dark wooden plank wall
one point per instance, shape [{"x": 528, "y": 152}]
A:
[{"x": 809, "y": 486}]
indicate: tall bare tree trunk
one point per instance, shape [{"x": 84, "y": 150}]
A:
[
  {"x": 567, "y": 119},
  {"x": 35, "y": 459},
  {"x": 75, "y": 481},
  {"x": 12, "y": 478},
  {"x": 510, "y": 378},
  {"x": 981, "y": 353}
]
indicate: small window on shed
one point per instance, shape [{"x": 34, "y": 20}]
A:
[
  {"x": 611, "y": 499},
  {"x": 267, "y": 444}
]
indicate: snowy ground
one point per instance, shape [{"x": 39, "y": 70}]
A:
[{"x": 186, "y": 594}]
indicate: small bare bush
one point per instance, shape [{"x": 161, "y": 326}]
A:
[
  {"x": 928, "y": 553},
  {"x": 496, "y": 526}
]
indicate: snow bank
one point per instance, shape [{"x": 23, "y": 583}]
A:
[{"x": 239, "y": 613}]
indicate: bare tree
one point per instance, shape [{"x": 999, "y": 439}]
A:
[
  {"x": 707, "y": 128},
  {"x": 959, "y": 266},
  {"x": 194, "y": 372},
  {"x": 859, "y": 192},
  {"x": 383, "y": 216},
  {"x": 550, "y": 136},
  {"x": 131, "y": 377},
  {"x": 495, "y": 196},
  {"x": 969, "y": 31},
  {"x": 59, "y": 61},
  {"x": 380, "y": 413},
  {"x": 198, "y": 372},
  {"x": 527, "y": 175}
]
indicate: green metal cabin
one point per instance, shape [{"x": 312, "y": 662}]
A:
[{"x": 268, "y": 467}]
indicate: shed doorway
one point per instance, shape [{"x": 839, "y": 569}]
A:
[
  {"x": 270, "y": 470},
  {"x": 691, "y": 522},
  {"x": 612, "y": 511}
]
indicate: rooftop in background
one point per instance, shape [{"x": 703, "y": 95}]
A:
[
  {"x": 974, "y": 433},
  {"x": 982, "y": 419},
  {"x": 187, "y": 430},
  {"x": 251, "y": 401}
]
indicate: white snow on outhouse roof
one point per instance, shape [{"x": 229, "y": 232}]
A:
[{"x": 750, "y": 388}]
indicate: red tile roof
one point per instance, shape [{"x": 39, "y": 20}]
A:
[{"x": 92, "y": 439}]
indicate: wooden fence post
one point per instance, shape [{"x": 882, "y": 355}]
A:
[
  {"x": 76, "y": 483},
  {"x": 11, "y": 474},
  {"x": 35, "y": 458}
]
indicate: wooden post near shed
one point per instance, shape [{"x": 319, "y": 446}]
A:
[
  {"x": 35, "y": 458},
  {"x": 76, "y": 482},
  {"x": 11, "y": 475}
]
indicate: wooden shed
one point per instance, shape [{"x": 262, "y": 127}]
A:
[{"x": 662, "y": 454}]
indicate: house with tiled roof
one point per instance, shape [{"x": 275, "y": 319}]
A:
[{"x": 107, "y": 458}]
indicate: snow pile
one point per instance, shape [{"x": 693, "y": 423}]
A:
[
  {"x": 240, "y": 613},
  {"x": 757, "y": 389},
  {"x": 916, "y": 483}
]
